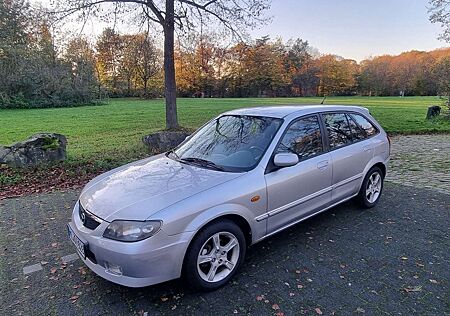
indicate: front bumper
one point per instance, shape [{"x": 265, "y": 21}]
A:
[{"x": 153, "y": 260}]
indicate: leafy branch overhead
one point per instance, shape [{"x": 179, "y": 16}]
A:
[{"x": 440, "y": 14}]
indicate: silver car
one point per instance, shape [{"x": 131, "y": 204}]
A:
[{"x": 245, "y": 175}]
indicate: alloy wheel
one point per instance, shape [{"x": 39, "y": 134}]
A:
[
  {"x": 373, "y": 189},
  {"x": 218, "y": 257}
]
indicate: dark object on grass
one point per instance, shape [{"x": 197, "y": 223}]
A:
[
  {"x": 164, "y": 140},
  {"x": 39, "y": 149},
  {"x": 433, "y": 111}
]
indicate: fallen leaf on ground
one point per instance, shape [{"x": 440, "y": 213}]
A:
[
  {"x": 433, "y": 281},
  {"x": 413, "y": 289},
  {"x": 318, "y": 311},
  {"x": 275, "y": 307}
]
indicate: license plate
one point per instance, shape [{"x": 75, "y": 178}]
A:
[{"x": 77, "y": 242}]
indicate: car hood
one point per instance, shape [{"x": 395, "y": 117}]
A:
[{"x": 140, "y": 189}]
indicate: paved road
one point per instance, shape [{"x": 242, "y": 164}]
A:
[{"x": 393, "y": 260}]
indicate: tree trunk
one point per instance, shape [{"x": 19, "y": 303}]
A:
[
  {"x": 145, "y": 89},
  {"x": 169, "y": 68}
]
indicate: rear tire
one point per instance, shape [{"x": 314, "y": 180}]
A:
[
  {"x": 214, "y": 255},
  {"x": 371, "y": 188}
]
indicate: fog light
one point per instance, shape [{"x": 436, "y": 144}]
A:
[{"x": 113, "y": 268}]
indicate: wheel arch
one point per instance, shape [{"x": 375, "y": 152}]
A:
[
  {"x": 382, "y": 166},
  {"x": 239, "y": 220}
]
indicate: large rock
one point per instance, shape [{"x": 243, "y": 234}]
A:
[
  {"x": 164, "y": 140},
  {"x": 433, "y": 111},
  {"x": 39, "y": 149}
]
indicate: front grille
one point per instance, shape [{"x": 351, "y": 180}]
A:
[{"x": 88, "y": 220}]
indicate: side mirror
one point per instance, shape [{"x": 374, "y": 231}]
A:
[{"x": 285, "y": 160}]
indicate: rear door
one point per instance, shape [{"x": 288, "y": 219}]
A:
[
  {"x": 350, "y": 152},
  {"x": 297, "y": 191}
]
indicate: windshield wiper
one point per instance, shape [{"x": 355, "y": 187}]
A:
[{"x": 203, "y": 163}]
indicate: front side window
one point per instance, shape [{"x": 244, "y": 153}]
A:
[
  {"x": 230, "y": 143},
  {"x": 302, "y": 138},
  {"x": 364, "y": 124},
  {"x": 339, "y": 132}
]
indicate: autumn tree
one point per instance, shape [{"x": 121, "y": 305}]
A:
[
  {"x": 301, "y": 66},
  {"x": 235, "y": 69},
  {"x": 14, "y": 48},
  {"x": 109, "y": 49},
  {"x": 233, "y": 15},
  {"x": 146, "y": 60},
  {"x": 80, "y": 57},
  {"x": 337, "y": 75},
  {"x": 442, "y": 71},
  {"x": 196, "y": 61}
]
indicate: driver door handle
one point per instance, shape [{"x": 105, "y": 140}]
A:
[{"x": 322, "y": 165}]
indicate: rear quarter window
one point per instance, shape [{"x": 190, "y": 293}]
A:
[{"x": 364, "y": 124}]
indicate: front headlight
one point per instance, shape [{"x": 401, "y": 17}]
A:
[{"x": 131, "y": 230}]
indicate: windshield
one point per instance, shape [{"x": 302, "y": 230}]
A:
[{"x": 229, "y": 143}]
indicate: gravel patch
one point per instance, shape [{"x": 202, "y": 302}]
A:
[{"x": 421, "y": 161}]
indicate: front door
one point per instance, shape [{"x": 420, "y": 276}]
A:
[{"x": 298, "y": 191}]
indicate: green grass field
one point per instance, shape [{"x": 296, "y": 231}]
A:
[{"x": 113, "y": 131}]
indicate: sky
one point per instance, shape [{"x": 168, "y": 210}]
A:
[{"x": 355, "y": 29}]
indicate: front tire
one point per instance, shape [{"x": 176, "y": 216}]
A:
[
  {"x": 371, "y": 188},
  {"x": 214, "y": 255}
]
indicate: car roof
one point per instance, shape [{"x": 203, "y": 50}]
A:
[{"x": 281, "y": 111}]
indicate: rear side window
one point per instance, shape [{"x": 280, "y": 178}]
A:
[
  {"x": 339, "y": 132},
  {"x": 303, "y": 138},
  {"x": 357, "y": 131},
  {"x": 364, "y": 124}
]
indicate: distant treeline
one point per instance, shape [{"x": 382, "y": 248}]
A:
[{"x": 35, "y": 72}]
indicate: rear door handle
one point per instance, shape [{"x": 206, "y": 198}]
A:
[
  {"x": 322, "y": 165},
  {"x": 367, "y": 148}
]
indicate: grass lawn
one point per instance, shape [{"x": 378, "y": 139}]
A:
[{"x": 113, "y": 132}]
